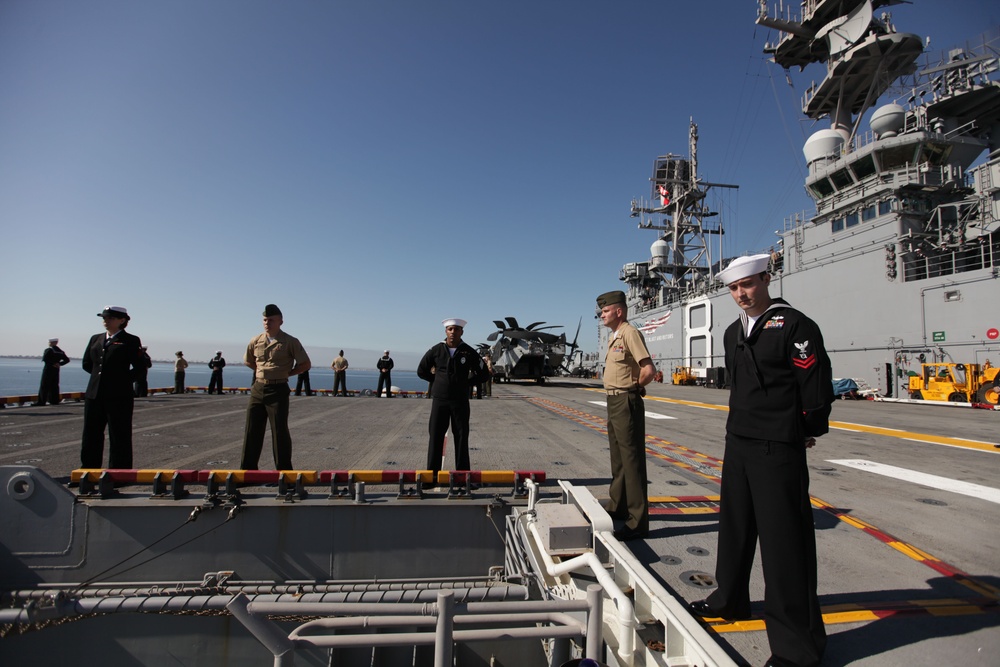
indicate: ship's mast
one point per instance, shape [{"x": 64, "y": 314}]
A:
[{"x": 682, "y": 259}]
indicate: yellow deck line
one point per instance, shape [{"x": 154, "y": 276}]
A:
[
  {"x": 838, "y": 614},
  {"x": 964, "y": 443}
]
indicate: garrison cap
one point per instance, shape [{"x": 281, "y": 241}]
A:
[
  {"x": 270, "y": 310},
  {"x": 114, "y": 311},
  {"x": 743, "y": 267},
  {"x": 609, "y": 298}
]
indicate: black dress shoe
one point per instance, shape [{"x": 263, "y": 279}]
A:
[
  {"x": 704, "y": 610},
  {"x": 627, "y": 534}
]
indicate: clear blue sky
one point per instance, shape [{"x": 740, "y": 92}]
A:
[{"x": 372, "y": 166}]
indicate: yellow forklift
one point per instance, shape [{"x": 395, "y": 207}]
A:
[{"x": 956, "y": 383}]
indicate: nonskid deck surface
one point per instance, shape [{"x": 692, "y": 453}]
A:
[{"x": 908, "y": 572}]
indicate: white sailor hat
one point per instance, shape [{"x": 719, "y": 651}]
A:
[
  {"x": 53, "y": 340},
  {"x": 454, "y": 322},
  {"x": 387, "y": 352},
  {"x": 218, "y": 351},
  {"x": 114, "y": 311},
  {"x": 742, "y": 267}
]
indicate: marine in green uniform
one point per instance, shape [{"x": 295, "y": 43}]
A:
[
  {"x": 628, "y": 368},
  {"x": 274, "y": 356}
]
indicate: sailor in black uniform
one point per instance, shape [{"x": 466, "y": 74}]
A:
[
  {"x": 216, "y": 364},
  {"x": 52, "y": 360},
  {"x": 384, "y": 367},
  {"x": 450, "y": 366},
  {"x": 142, "y": 373},
  {"x": 779, "y": 404}
]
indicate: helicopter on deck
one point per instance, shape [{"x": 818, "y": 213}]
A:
[{"x": 526, "y": 353}]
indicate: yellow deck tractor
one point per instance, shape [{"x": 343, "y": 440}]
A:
[
  {"x": 956, "y": 383},
  {"x": 683, "y": 375}
]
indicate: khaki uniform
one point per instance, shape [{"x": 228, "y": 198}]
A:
[
  {"x": 275, "y": 359},
  {"x": 179, "y": 365},
  {"x": 339, "y": 367},
  {"x": 627, "y": 427}
]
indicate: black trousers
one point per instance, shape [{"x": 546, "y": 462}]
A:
[
  {"x": 765, "y": 495},
  {"x": 384, "y": 379},
  {"x": 303, "y": 381},
  {"x": 115, "y": 414},
  {"x": 455, "y": 413},
  {"x": 48, "y": 390},
  {"x": 215, "y": 383},
  {"x": 627, "y": 442},
  {"x": 141, "y": 386},
  {"x": 178, "y": 382},
  {"x": 340, "y": 380},
  {"x": 268, "y": 405}
]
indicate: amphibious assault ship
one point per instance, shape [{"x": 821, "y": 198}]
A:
[{"x": 905, "y": 239}]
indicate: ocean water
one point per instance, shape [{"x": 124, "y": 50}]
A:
[{"x": 22, "y": 376}]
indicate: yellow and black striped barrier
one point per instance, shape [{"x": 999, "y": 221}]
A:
[{"x": 291, "y": 484}]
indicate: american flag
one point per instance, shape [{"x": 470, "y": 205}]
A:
[{"x": 649, "y": 326}]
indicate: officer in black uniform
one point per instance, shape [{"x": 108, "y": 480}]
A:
[
  {"x": 53, "y": 359},
  {"x": 779, "y": 403},
  {"x": 217, "y": 363},
  {"x": 111, "y": 359},
  {"x": 450, "y": 366},
  {"x": 384, "y": 367}
]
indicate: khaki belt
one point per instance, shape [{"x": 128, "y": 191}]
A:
[
  {"x": 619, "y": 392},
  {"x": 285, "y": 381}
]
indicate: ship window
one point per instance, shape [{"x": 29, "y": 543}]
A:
[
  {"x": 821, "y": 188},
  {"x": 868, "y": 213},
  {"x": 864, "y": 167},
  {"x": 851, "y": 219},
  {"x": 896, "y": 157},
  {"x": 934, "y": 153},
  {"x": 885, "y": 207},
  {"x": 837, "y": 225},
  {"x": 841, "y": 179}
]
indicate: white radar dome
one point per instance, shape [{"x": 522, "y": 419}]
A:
[
  {"x": 823, "y": 144},
  {"x": 659, "y": 252},
  {"x": 888, "y": 120}
]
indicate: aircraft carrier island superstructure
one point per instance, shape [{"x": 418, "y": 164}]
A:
[{"x": 899, "y": 264}]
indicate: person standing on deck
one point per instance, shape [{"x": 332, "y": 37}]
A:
[
  {"x": 384, "y": 367},
  {"x": 627, "y": 370},
  {"x": 180, "y": 363},
  {"x": 141, "y": 383},
  {"x": 450, "y": 366},
  {"x": 273, "y": 356},
  {"x": 53, "y": 359},
  {"x": 779, "y": 403},
  {"x": 217, "y": 363},
  {"x": 111, "y": 359},
  {"x": 339, "y": 367}
]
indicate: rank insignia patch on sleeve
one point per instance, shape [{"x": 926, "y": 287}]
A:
[{"x": 805, "y": 358}]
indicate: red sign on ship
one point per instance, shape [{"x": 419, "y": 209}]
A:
[{"x": 992, "y": 334}]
